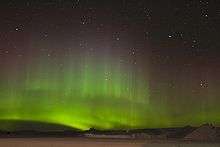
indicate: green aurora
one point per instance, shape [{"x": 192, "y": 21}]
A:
[{"x": 87, "y": 92}]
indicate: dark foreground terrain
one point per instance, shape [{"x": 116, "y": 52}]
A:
[
  {"x": 85, "y": 142},
  {"x": 47, "y": 135}
]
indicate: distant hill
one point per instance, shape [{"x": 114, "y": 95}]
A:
[{"x": 21, "y": 125}]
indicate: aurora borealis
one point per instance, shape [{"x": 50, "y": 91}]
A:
[
  {"x": 81, "y": 95},
  {"x": 113, "y": 65}
]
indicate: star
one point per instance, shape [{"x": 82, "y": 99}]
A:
[
  {"x": 203, "y": 84},
  {"x": 16, "y": 29}
]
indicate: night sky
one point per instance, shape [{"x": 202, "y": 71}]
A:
[{"x": 110, "y": 64}]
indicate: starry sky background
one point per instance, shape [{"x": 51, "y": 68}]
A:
[{"x": 110, "y": 64}]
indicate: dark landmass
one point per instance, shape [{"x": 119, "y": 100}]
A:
[
  {"x": 15, "y": 128},
  {"x": 206, "y": 132},
  {"x": 21, "y": 125}
]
